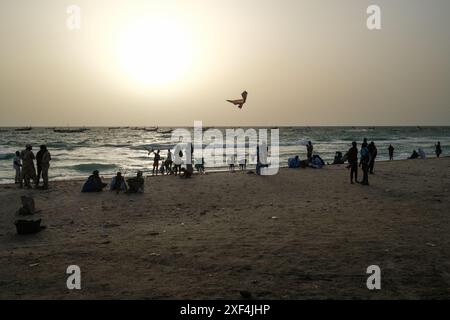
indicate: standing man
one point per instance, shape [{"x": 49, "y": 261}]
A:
[
  {"x": 373, "y": 154},
  {"x": 28, "y": 169},
  {"x": 352, "y": 156},
  {"x": 45, "y": 165},
  {"x": 364, "y": 163},
  {"x": 309, "y": 151},
  {"x": 391, "y": 152},
  {"x": 438, "y": 149}
]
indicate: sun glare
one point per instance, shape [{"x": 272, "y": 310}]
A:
[{"x": 154, "y": 51}]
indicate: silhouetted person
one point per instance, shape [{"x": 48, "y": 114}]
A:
[
  {"x": 28, "y": 169},
  {"x": 309, "y": 151},
  {"x": 136, "y": 184},
  {"x": 373, "y": 154},
  {"x": 364, "y": 144},
  {"x": 364, "y": 163},
  {"x": 17, "y": 165},
  {"x": 155, "y": 162},
  {"x": 168, "y": 162},
  {"x": 391, "y": 152},
  {"x": 414, "y": 155},
  {"x": 438, "y": 149},
  {"x": 45, "y": 165},
  {"x": 338, "y": 159},
  {"x": 352, "y": 157},
  {"x": 118, "y": 183},
  {"x": 177, "y": 162},
  {"x": 94, "y": 183}
]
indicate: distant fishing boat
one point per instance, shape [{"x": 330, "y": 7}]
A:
[
  {"x": 165, "y": 131},
  {"x": 151, "y": 129},
  {"x": 70, "y": 130},
  {"x": 24, "y": 129}
]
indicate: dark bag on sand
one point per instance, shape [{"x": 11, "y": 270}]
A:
[{"x": 28, "y": 226}]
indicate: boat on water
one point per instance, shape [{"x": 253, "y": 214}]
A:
[
  {"x": 151, "y": 129},
  {"x": 166, "y": 131},
  {"x": 24, "y": 129},
  {"x": 70, "y": 130}
]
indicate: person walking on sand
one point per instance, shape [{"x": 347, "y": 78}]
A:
[
  {"x": 17, "y": 164},
  {"x": 373, "y": 154},
  {"x": 364, "y": 163},
  {"x": 28, "y": 169},
  {"x": 391, "y": 152},
  {"x": 438, "y": 149},
  {"x": 45, "y": 165},
  {"x": 352, "y": 157},
  {"x": 309, "y": 151}
]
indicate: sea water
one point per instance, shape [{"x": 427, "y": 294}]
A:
[{"x": 76, "y": 155}]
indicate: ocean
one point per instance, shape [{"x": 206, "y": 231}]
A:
[{"x": 77, "y": 154}]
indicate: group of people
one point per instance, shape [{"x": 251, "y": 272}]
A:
[
  {"x": 26, "y": 173},
  {"x": 367, "y": 156},
  {"x": 364, "y": 158},
  {"x": 173, "y": 165},
  {"x": 23, "y": 164},
  {"x": 118, "y": 183}
]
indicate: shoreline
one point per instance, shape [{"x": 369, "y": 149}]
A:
[{"x": 223, "y": 170}]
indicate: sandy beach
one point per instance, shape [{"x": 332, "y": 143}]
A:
[{"x": 301, "y": 234}]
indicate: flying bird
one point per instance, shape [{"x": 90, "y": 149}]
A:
[{"x": 240, "y": 102}]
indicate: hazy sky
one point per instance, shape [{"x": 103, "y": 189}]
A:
[{"x": 303, "y": 62}]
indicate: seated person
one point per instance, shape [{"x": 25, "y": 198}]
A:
[
  {"x": 421, "y": 153},
  {"x": 136, "y": 184},
  {"x": 294, "y": 162},
  {"x": 118, "y": 183},
  {"x": 338, "y": 158},
  {"x": 94, "y": 183},
  {"x": 186, "y": 172},
  {"x": 316, "y": 162},
  {"x": 414, "y": 155}
]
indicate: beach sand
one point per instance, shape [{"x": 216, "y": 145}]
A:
[{"x": 301, "y": 234}]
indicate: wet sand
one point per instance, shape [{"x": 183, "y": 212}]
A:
[{"x": 301, "y": 234}]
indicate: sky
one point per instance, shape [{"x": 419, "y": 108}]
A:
[{"x": 168, "y": 63}]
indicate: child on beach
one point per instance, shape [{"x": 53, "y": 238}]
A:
[
  {"x": 200, "y": 167},
  {"x": 17, "y": 164}
]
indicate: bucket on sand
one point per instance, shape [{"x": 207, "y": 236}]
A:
[{"x": 28, "y": 226}]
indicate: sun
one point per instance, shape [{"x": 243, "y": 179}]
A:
[{"x": 154, "y": 51}]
